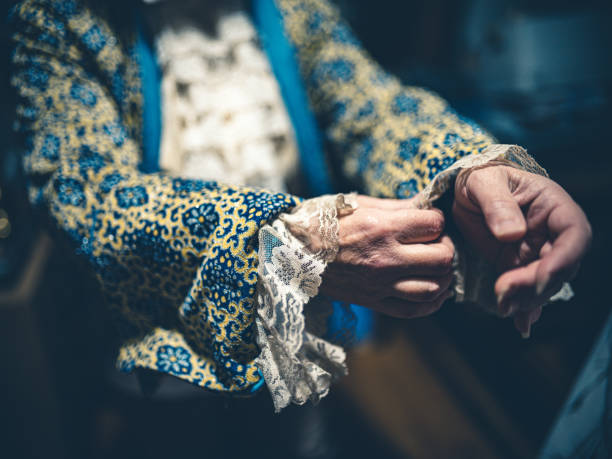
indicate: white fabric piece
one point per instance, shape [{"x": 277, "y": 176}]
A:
[
  {"x": 297, "y": 365},
  {"x": 223, "y": 116}
]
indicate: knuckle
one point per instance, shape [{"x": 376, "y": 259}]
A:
[
  {"x": 385, "y": 229},
  {"x": 476, "y": 178},
  {"x": 375, "y": 261}
]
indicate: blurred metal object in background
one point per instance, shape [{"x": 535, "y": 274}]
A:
[{"x": 542, "y": 69}]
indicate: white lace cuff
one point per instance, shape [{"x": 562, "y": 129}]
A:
[
  {"x": 296, "y": 364},
  {"x": 474, "y": 277}
]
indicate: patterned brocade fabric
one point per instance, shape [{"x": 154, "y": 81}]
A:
[
  {"x": 176, "y": 258},
  {"x": 389, "y": 140}
]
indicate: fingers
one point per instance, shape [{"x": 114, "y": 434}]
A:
[
  {"x": 491, "y": 192},
  {"x": 562, "y": 259},
  {"x": 516, "y": 290},
  {"x": 535, "y": 283},
  {"x": 421, "y": 289},
  {"x": 409, "y": 310},
  {"x": 524, "y": 320},
  {"x": 413, "y": 225},
  {"x": 434, "y": 259}
]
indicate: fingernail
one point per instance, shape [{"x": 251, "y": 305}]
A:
[
  {"x": 502, "y": 296},
  {"x": 541, "y": 285},
  {"x": 526, "y": 334}
]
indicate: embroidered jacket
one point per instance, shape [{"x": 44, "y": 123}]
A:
[{"x": 177, "y": 258}]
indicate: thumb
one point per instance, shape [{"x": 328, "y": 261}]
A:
[{"x": 490, "y": 190}]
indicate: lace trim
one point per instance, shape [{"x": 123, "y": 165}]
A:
[
  {"x": 474, "y": 277},
  {"x": 297, "y": 365}
]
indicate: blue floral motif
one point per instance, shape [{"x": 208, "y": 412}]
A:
[
  {"x": 451, "y": 139},
  {"x": 94, "y": 39},
  {"x": 126, "y": 365},
  {"x": 175, "y": 360},
  {"x": 149, "y": 243},
  {"x": 89, "y": 159},
  {"x": 407, "y": 189},
  {"x": 116, "y": 132},
  {"x": 342, "y": 34},
  {"x": 109, "y": 181},
  {"x": 70, "y": 192},
  {"x": 436, "y": 165},
  {"x": 364, "y": 150},
  {"x": 339, "y": 110},
  {"x": 183, "y": 186},
  {"x": 403, "y": 103},
  {"x": 50, "y": 147},
  {"x": 189, "y": 307},
  {"x": 118, "y": 84},
  {"x": 67, "y": 7},
  {"x": 131, "y": 196},
  {"x": 409, "y": 148},
  {"x": 37, "y": 77},
  {"x": 30, "y": 113},
  {"x": 46, "y": 37},
  {"x": 315, "y": 20},
  {"x": 84, "y": 95},
  {"x": 366, "y": 110},
  {"x": 340, "y": 70},
  {"x": 201, "y": 220}
]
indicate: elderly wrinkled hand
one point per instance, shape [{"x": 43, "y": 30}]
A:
[
  {"x": 393, "y": 258},
  {"x": 529, "y": 228}
]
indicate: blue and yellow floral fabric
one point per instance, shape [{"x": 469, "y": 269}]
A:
[
  {"x": 387, "y": 139},
  {"x": 177, "y": 259}
]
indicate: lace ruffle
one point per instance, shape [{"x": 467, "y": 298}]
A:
[{"x": 296, "y": 364}]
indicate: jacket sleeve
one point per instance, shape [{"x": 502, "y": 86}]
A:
[
  {"x": 385, "y": 138},
  {"x": 176, "y": 258}
]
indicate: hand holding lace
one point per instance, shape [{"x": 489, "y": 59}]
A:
[{"x": 392, "y": 258}]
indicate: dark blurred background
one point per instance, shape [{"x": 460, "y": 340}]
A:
[{"x": 459, "y": 384}]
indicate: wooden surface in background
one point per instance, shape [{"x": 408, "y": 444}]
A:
[{"x": 407, "y": 400}]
